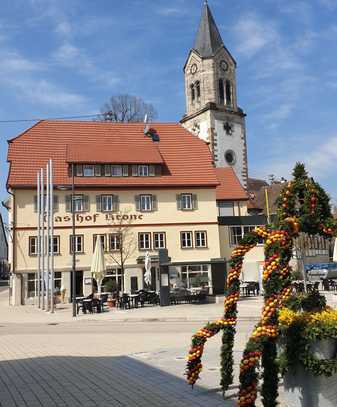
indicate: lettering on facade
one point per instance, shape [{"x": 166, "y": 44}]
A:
[{"x": 97, "y": 216}]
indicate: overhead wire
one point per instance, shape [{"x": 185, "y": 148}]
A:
[{"x": 49, "y": 118}]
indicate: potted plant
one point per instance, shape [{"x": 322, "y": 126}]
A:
[
  {"x": 110, "y": 286},
  {"x": 308, "y": 346}
]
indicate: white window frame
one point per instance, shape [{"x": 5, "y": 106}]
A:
[
  {"x": 56, "y": 240},
  {"x": 79, "y": 242},
  {"x": 185, "y": 199},
  {"x": 114, "y": 242},
  {"x": 145, "y": 203},
  {"x": 191, "y": 269},
  {"x": 159, "y": 240},
  {"x": 78, "y": 203},
  {"x": 30, "y": 240},
  {"x": 116, "y": 170},
  {"x": 234, "y": 239},
  {"x": 185, "y": 237},
  {"x": 103, "y": 241},
  {"x": 143, "y": 170},
  {"x": 106, "y": 199},
  {"x": 143, "y": 238},
  {"x": 87, "y": 167},
  {"x": 200, "y": 239}
]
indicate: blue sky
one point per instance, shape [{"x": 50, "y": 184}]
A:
[{"x": 66, "y": 57}]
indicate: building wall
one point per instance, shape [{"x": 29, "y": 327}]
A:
[{"x": 166, "y": 219}]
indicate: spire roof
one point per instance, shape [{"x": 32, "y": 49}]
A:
[{"x": 208, "y": 39}]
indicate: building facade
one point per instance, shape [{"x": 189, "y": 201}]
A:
[{"x": 131, "y": 189}]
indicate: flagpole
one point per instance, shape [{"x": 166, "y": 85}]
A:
[
  {"x": 48, "y": 235},
  {"x": 38, "y": 241},
  {"x": 51, "y": 204},
  {"x": 42, "y": 238}
]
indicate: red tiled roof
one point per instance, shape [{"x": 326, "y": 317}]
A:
[
  {"x": 187, "y": 159},
  {"x": 114, "y": 153},
  {"x": 230, "y": 187}
]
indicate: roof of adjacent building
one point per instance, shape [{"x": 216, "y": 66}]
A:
[
  {"x": 230, "y": 187},
  {"x": 208, "y": 40},
  {"x": 186, "y": 158}
]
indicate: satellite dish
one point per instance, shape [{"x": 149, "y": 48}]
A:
[{"x": 145, "y": 118}]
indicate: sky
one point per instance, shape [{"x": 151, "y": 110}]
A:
[{"x": 67, "y": 57}]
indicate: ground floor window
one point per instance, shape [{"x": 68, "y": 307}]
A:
[
  {"x": 113, "y": 279},
  {"x": 32, "y": 283},
  {"x": 195, "y": 276}
]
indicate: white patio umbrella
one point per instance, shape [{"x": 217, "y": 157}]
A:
[
  {"x": 147, "y": 265},
  {"x": 98, "y": 265}
]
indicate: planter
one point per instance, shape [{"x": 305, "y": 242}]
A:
[
  {"x": 303, "y": 389},
  {"x": 111, "y": 303},
  {"x": 324, "y": 349}
]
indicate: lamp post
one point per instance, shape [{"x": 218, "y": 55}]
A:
[{"x": 73, "y": 240}]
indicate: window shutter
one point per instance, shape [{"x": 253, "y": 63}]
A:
[
  {"x": 115, "y": 202},
  {"x": 194, "y": 201},
  {"x": 86, "y": 203},
  {"x": 55, "y": 203},
  {"x": 179, "y": 202},
  {"x": 68, "y": 203},
  {"x": 154, "y": 203},
  {"x": 152, "y": 170},
  {"x": 135, "y": 170},
  {"x": 137, "y": 200},
  {"x": 98, "y": 203},
  {"x": 35, "y": 203},
  {"x": 125, "y": 170}
]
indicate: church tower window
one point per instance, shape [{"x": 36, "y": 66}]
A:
[
  {"x": 192, "y": 92},
  {"x": 221, "y": 92},
  {"x": 197, "y": 87},
  {"x": 228, "y": 93}
]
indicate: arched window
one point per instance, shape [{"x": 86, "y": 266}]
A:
[
  {"x": 228, "y": 93},
  {"x": 221, "y": 92},
  {"x": 192, "y": 92},
  {"x": 197, "y": 86}
]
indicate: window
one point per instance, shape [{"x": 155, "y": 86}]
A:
[
  {"x": 107, "y": 170},
  {"x": 98, "y": 170},
  {"x": 55, "y": 203},
  {"x": 32, "y": 246},
  {"x": 88, "y": 170},
  {"x": 186, "y": 240},
  {"x": 143, "y": 170},
  {"x": 195, "y": 276},
  {"x": 236, "y": 233},
  {"x": 32, "y": 285},
  {"x": 103, "y": 242},
  {"x": 200, "y": 239},
  {"x": 115, "y": 275},
  {"x": 228, "y": 93},
  {"x": 56, "y": 245},
  {"x": 197, "y": 87},
  {"x": 187, "y": 202},
  {"x": 114, "y": 242},
  {"x": 79, "y": 170},
  {"x": 81, "y": 203},
  {"x": 116, "y": 170},
  {"x": 79, "y": 243},
  {"x": 192, "y": 92},
  {"x": 226, "y": 208},
  {"x": 221, "y": 92},
  {"x": 144, "y": 241},
  {"x": 159, "y": 240},
  {"x": 107, "y": 203},
  {"x": 146, "y": 203}
]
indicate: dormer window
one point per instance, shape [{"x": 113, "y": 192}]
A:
[
  {"x": 88, "y": 170},
  {"x": 143, "y": 170}
]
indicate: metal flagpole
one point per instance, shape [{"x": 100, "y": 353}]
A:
[
  {"x": 48, "y": 234},
  {"x": 38, "y": 242},
  {"x": 42, "y": 239},
  {"x": 51, "y": 205}
]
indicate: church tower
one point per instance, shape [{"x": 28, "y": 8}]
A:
[{"x": 212, "y": 112}]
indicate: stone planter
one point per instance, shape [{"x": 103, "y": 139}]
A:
[{"x": 303, "y": 389}]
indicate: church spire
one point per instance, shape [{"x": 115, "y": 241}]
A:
[{"x": 208, "y": 39}]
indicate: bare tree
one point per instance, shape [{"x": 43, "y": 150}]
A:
[
  {"x": 126, "y": 109},
  {"x": 123, "y": 241}
]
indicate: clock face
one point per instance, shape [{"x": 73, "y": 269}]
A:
[
  {"x": 224, "y": 65},
  {"x": 194, "y": 69}
]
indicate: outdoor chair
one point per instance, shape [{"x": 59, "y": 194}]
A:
[{"x": 124, "y": 302}]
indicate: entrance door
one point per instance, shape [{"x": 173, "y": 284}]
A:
[{"x": 79, "y": 283}]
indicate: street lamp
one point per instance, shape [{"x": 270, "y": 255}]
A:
[{"x": 72, "y": 241}]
